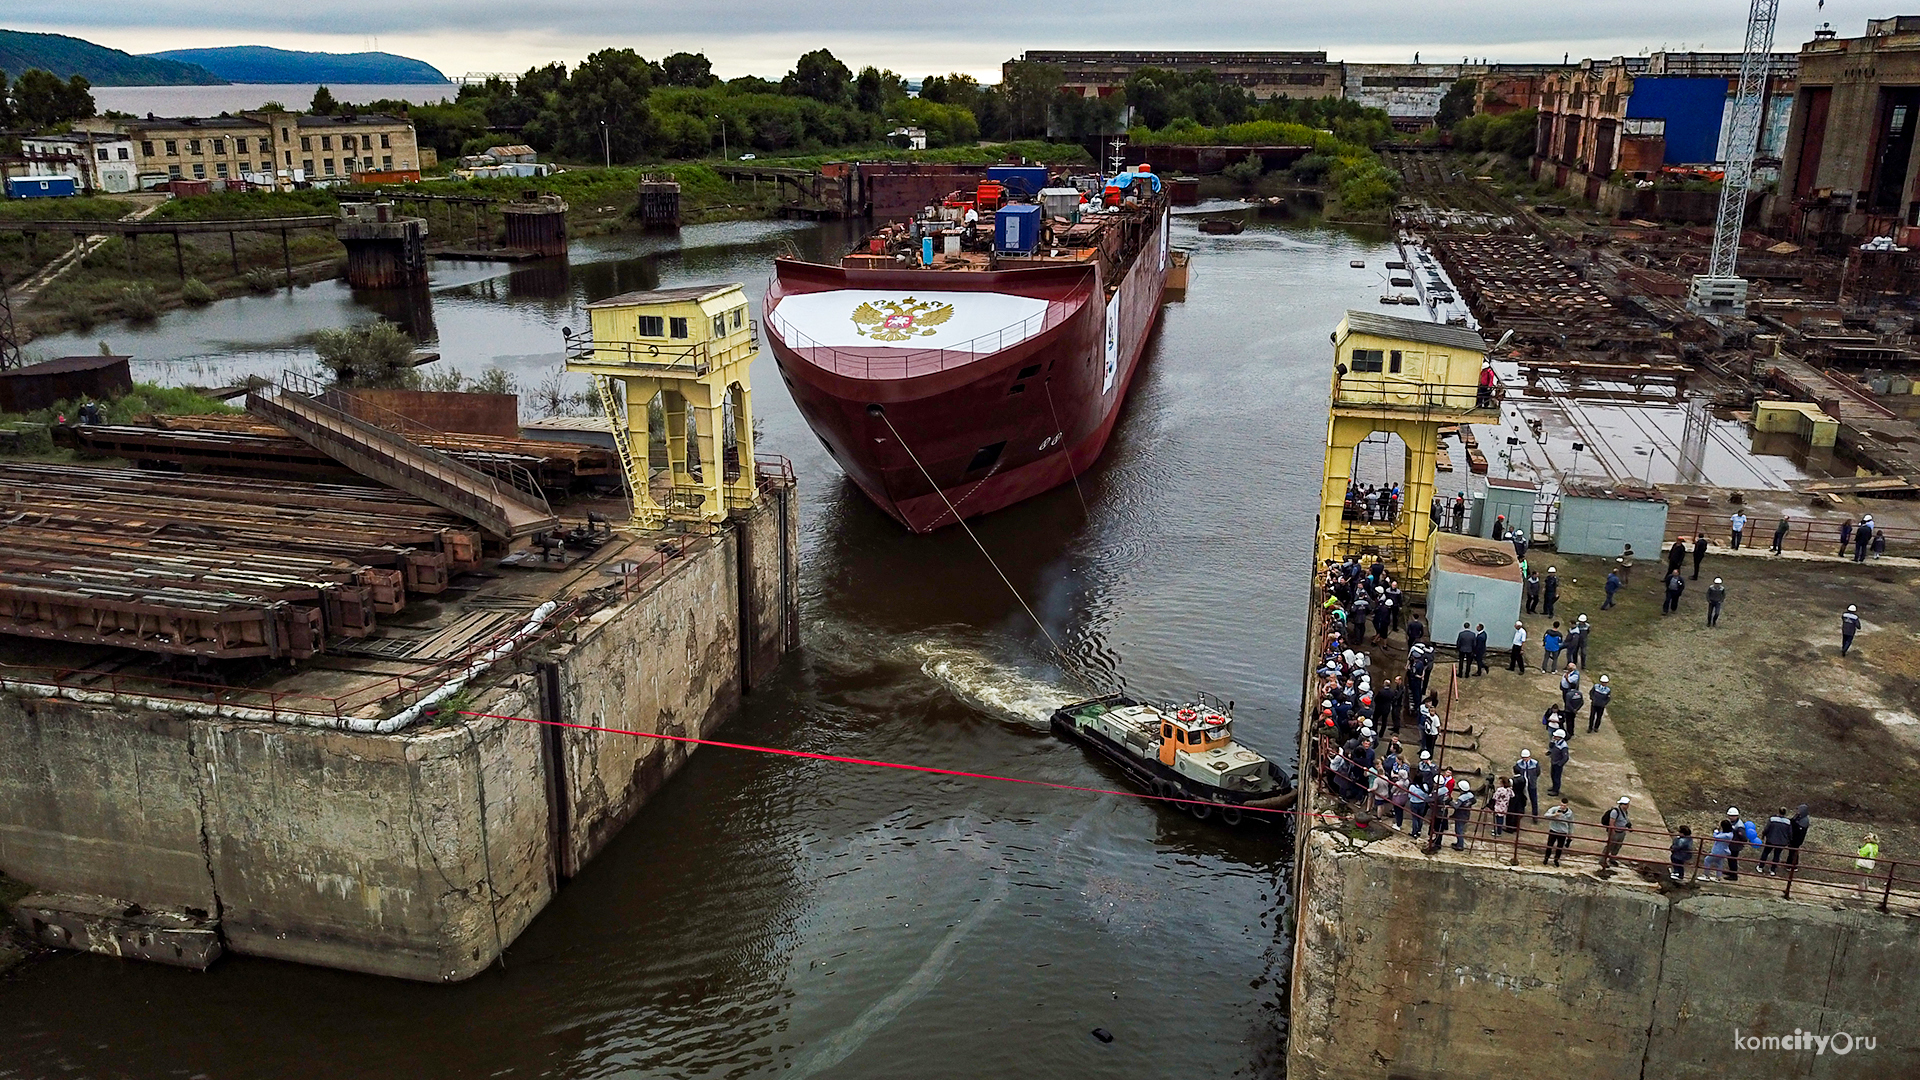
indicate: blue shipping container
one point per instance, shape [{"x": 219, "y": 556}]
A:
[
  {"x": 1016, "y": 229},
  {"x": 1021, "y": 181},
  {"x": 40, "y": 187}
]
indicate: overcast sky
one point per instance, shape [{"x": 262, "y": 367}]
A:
[{"x": 921, "y": 37}]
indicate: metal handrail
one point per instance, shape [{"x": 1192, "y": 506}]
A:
[
  {"x": 518, "y": 478},
  {"x": 1413, "y": 396},
  {"x": 1803, "y": 533},
  {"x": 698, "y": 356},
  {"x": 912, "y": 362}
]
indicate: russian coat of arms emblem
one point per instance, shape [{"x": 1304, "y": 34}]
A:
[{"x": 898, "y": 320}]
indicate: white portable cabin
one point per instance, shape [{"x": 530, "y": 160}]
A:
[{"x": 1473, "y": 581}]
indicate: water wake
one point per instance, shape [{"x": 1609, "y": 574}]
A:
[{"x": 990, "y": 687}]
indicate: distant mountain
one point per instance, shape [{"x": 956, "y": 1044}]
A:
[
  {"x": 260, "y": 64},
  {"x": 67, "y": 56}
]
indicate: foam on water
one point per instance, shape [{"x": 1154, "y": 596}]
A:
[{"x": 992, "y": 688}]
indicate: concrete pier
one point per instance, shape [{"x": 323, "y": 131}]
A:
[
  {"x": 384, "y": 251},
  {"x": 421, "y": 854}
]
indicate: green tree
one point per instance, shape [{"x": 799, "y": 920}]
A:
[
  {"x": 1246, "y": 173},
  {"x": 1030, "y": 88},
  {"x": 323, "y": 103},
  {"x": 819, "y": 76},
  {"x": 1457, "y": 104},
  {"x": 869, "y": 90},
  {"x": 602, "y": 109},
  {"x": 687, "y": 69},
  {"x": 375, "y": 354},
  {"x": 42, "y": 100},
  {"x": 6, "y": 103},
  {"x": 1154, "y": 95}
]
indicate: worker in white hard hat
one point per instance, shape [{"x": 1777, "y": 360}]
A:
[
  {"x": 1618, "y": 825},
  {"x": 1598, "y": 699},
  {"x": 1849, "y": 626}
]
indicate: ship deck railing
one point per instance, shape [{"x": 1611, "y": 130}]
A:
[{"x": 897, "y": 363}]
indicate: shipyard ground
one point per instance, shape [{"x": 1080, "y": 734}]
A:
[
  {"x": 1757, "y": 712},
  {"x": 1440, "y": 965}
]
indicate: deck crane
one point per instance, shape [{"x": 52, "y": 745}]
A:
[{"x": 1721, "y": 291}]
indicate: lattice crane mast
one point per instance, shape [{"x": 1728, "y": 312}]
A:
[{"x": 1721, "y": 290}]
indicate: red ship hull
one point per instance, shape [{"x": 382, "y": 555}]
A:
[{"x": 959, "y": 433}]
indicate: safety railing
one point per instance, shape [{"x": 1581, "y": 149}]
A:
[
  {"x": 882, "y": 360},
  {"x": 695, "y": 358},
  {"x": 1814, "y": 872},
  {"x": 1803, "y": 534},
  {"x": 458, "y": 482},
  {"x": 1358, "y": 392},
  {"x": 336, "y": 397}
]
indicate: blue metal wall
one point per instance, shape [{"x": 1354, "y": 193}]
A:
[{"x": 1692, "y": 109}]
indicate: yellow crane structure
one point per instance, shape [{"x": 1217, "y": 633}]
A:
[
  {"x": 1405, "y": 378},
  {"x": 670, "y": 366}
]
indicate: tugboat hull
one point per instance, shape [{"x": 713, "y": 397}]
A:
[{"x": 1203, "y": 801}]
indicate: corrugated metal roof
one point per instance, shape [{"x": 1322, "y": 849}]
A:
[
  {"x": 65, "y": 364},
  {"x": 663, "y": 296},
  {"x": 1455, "y": 337}
]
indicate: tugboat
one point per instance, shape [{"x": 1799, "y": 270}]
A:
[{"x": 1180, "y": 752}]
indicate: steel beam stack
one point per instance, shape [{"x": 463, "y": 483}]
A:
[{"x": 213, "y": 566}]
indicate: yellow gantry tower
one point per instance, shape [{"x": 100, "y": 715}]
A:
[
  {"x": 1405, "y": 378},
  {"x": 671, "y": 365}
]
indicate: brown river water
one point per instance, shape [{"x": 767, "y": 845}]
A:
[{"x": 770, "y": 916}]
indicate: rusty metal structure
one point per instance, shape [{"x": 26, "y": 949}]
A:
[
  {"x": 213, "y": 567},
  {"x": 659, "y": 202},
  {"x": 384, "y": 250},
  {"x": 536, "y": 223}
]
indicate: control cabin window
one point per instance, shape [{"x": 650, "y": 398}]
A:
[
  {"x": 677, "y": 327},
  {"x": 652, "y": 326},
  {"x": 739, "y": 317},
  {"x": 720, "y": 325},
  {"x": 1368, "y": 360},
  {"x": 1393, "y": 362}
]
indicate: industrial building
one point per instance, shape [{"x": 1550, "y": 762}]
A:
[
  {"x": 1636, "y": 115},
  {"x": 97, "y": 161},
  {"x": 1409, "y": 93},
  {"x": 270, "y": 149},
  {"x": 1849, "y": 167},
  {"x": 1102, "y": 73},
  {"x": 1509, "y": 88}
]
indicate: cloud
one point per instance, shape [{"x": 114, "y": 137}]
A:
[{"x": 918, "y": 37}]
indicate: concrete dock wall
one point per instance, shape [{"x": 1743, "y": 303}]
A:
[
  {"x": 1413, "y": 968},
  {"x": 353, "y": 851},
  {"x": 419, "y": 855}
]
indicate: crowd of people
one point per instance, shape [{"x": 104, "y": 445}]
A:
[
  {"x": 1372, "y": 502},
  {"x": 1364, "y": 714}
]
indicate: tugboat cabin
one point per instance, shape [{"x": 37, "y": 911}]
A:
[{"x": 1192, "y": 731}]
